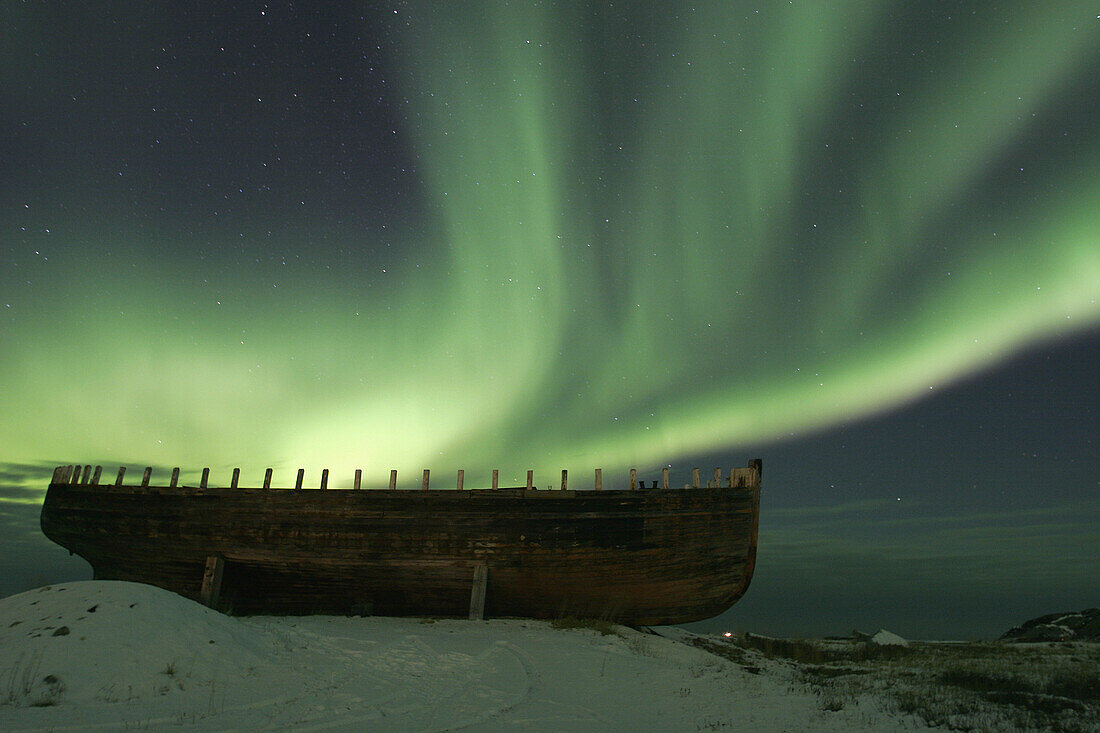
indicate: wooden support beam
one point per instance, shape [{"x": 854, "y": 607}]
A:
[
  {"x": 461, "y": 475},
  {"x": 57, "y": 475},
  {"x": 174, "y": 482},
  {"x": 424, "y": 480},
  {"x": 95, "y": 475},
  {"x": 121, "y": 473},
  {"x": 393, "y": 479},
  {"x": 633, "y": 479},
  {"x": 146, "y": 475},
  {"x": 210, "y": 593},
  {"x": 324, "y": 479},
  {"x": 664, "y": 478},
  {"x": 496, "y": 479},
  {"x": 747, "y": 476},
  {"x": 477, "y": 591},
  {"x": 205, "y": 478},
  {"x": 87, "y": 474},
  {"x": 233, "y": 482},
  {"x": 358, "y": 479},
  {"x": 267, "y": 479},
  {"x": 301, "y": 477},
  {"x": 695, "y": 478},
  {"x": 68, "y": 475},
  {"x": 564, "y": 479},
  {"x": 530, "y": 480},
  {"x": 599, "y": 479},
  {"x": 717, "y": 477}
]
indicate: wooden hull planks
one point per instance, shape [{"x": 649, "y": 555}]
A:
[{"x": 641, "y": 557}]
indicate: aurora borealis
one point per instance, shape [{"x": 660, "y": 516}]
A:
[{"x": 527, "y": 234}]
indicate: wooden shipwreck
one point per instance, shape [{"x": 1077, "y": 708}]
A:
[{"x": 635, "y": 555}]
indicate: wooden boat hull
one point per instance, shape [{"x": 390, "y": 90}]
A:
[{"x": 639, "y": 557}]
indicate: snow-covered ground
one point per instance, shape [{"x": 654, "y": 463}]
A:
[{"x": 124, "y": 656}]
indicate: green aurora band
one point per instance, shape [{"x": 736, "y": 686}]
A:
[{"x": 643, "y": 238}]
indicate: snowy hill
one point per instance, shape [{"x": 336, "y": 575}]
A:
[
  {"x": 1067, "y": 626},
  {"x": 125, "y": 656}
]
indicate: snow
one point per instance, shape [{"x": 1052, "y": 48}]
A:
[
  {"x": 133, "y": 656},
  {"x": 887, "y": 638}
]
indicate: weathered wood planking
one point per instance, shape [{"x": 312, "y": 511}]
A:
[{"x": 642, "y": 557}]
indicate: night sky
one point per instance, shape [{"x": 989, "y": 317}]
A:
[{"x": 859, "y": 240}]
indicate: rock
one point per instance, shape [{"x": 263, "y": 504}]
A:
[
  {"x": 886, "y": 638},
  {"x": 1069, "y": 626}
]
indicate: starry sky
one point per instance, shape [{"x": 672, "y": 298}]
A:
[{"x": 856, "y": 239}]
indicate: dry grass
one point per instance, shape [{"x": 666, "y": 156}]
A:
[
  {"x": 605, "y": 627},
  {"x": 959, "y": 687}
]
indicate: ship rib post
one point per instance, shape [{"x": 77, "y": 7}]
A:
[
  {"x": 87, "y": 474},
  {"x": 664, "y": 478},
  {"x": 530, "y": 480},
  {"x": 717, "y": 478},
  {"x": 424, "y": 481},
  {"x": 212, "y": 581},
  {"x": 236, "y": 478},
  {"x": 175, "y": 477},
  {"x": 298, "y": 481},
  {"x": 393, "y": 479},
  {"x": 358, "y": 478},
  {"x": 496, "y": 478},
  {"x": 145, "y": 475},
  {"x": 267, "y": 479},
  {"x": 738, "y": 477},
  {"x": 324, "y": 479},
  {"x": 461, "y": 475},
  {"x": 633, "y": 479},
  {"x": 205, "y": 478},
  {"x": 599, "y": 479},
  {"x": 564, "y": 479},
  {"x": 121, "y": 473},
  {"x": 95, "y": 475},
  {"x": 695, "y": 478},
  {"x": 477, "y": 592},
  {"x": 57, "y": 475}
]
